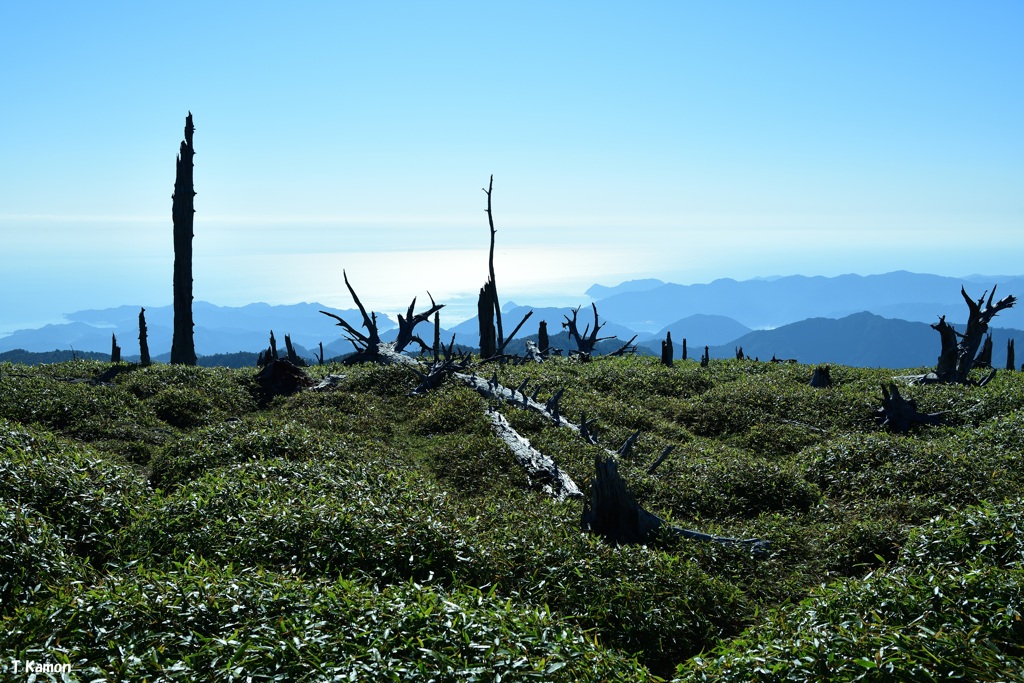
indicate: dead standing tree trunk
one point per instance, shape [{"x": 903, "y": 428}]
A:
[
  {"x": 115, "y": 350},
  {"x": 666, "y": 350},
  {"x": 492, "y": 334},
  {"x": 144, "y": 359},
  {"x": 959, "y": 351},
  {"x": 183, "y": 349}
]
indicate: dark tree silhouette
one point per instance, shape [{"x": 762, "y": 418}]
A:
[
  {"x": 959, "y": 351},
  {"x": 115, "y": 350},
  {"x": 183, "y": 350},
  {"x": 666, "y": 350},
  {"x": 143, "y": 341},
  {"x": 368, "y": 347},
  {"x": 492, "y": 335}
]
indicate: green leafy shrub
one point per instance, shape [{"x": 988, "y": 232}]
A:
[
  {"x": 198, "y": 621},
  {"x": 237, "y": 441},
  {"x": 317, "y": 518},
  {"x": 32, "y": 557},
  {"x": 84, "y": 496}
]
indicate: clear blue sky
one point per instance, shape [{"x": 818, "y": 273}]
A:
[{"x": 681, "y": 140}]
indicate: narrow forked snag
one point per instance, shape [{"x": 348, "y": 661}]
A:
[{"x": 492, "y": 341}]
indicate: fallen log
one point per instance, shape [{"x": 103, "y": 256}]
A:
[
  {"x": 518, "y": 397},
  {"x": 540, "y": 468}
]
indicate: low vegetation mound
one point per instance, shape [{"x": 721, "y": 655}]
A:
[{"x": 171, "y": 524}]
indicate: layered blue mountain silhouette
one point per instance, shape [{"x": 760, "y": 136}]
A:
[{"x": 870, "y": 321}]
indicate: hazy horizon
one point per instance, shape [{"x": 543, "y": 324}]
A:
[{"x": 675, "y": 140}]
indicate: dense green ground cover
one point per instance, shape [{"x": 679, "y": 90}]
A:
[{"x": 169, "y": 524}]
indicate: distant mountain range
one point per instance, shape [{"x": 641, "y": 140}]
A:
[{"x": 870, "y": 321}]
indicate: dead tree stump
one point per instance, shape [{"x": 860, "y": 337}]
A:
[
  {"x": 898, "y": 414},
  {"x": 542, "y": 337},
  {"x": 684, "y": 348},
  {"x": 666, "y": 350},
  {"x": 959, "y": 351},
  {"x": 1010, "y": 361},
  {"x": 485, "y": 315},
  {"x": 613, "y": 513},
  {"x": 822, "y": 377},
  {"x": 281, "y": 378},
  {"x": 705, "y": 360},
  {"x": 115, "y": 350}
]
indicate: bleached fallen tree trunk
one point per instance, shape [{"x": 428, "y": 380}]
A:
[{"x": 540, "y": 468}]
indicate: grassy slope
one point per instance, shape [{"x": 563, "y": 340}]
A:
[{"x": 169, "y": 526}]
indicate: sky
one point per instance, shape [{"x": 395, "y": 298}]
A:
[{"x": 686, "y": 141}]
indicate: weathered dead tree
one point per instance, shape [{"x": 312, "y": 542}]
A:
[
  {"x": 542, "y": 337},
  {"x": 959, "y": 351},
  {"x": 705, "y": 360},
  {"x": 1010, "y": 360},
  {"x": 684, "y": 348},
  {"x": 739, "y": 353},
  {"x": 585, "y": 342},
  {"x": 492, "y": 335},
  {"x": 541, "y": 470},
  {"x": 821, "y": 377},
  {"x": 320, "y": 356},
  {"x": 144, "y": 359},
  {"x": 183, "y": 350},
  {"x": 666, "y": 350},
  {"x": 115, "y": 350},
  {"x": 612, "y": 512},
  {"x": 899, "y": 414},
  {"x": 368, "y": 347}
]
